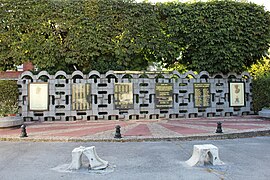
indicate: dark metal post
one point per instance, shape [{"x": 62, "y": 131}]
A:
[
  {"x": 219, "y": 127},
  {"x": 117, "y": 132},
  {"x": 23, "y": 131}
]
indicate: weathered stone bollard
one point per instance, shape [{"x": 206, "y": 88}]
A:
[
  {"x": 76, "y": 158},
  {"x": 23, "y": 131},
  {"x": 219, "y": 128},
  {"x": 95, "y": 162},
  {"x": 203, "y": 155},
  {"x": 117, "y": 132}
]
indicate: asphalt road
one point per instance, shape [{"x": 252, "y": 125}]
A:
[{"x": 247, "y": 159}]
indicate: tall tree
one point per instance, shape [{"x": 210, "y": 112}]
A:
[{"x": 218, "y": 36}]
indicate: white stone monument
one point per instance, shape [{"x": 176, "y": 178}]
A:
[
  {"x": 203, "y": 155},
  {"x": 95, "y": 162}
]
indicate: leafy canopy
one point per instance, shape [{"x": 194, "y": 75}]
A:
[{"x": 216, "y": 36}]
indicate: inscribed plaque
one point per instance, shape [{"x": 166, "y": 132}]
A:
[
  {"x": 164, "y": 92},
  {"x": 237, "y": 94},
  {"x": 123, "y": 94},
  {"x": 81, "y": 96},
  {"x": 38, "y": 96},
  {"x": 202, "y": 95}
]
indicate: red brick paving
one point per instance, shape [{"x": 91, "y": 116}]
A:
[
  {"x": 183, "y": 130},
  {"x": 139, "y": 130},
  {"x": 8, "y": 131},
  {"x": 87, "y": 131},
  {"x": 241, "y": 127},
  {"x": 224, "y": 125},
  {"x": 63, "y": 127}
]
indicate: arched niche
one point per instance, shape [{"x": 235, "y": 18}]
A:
[
  {"x": 94, "y": 77},
  {"x": 159, "y": 76},
  {"x": 76, "y": 75},
  {"x": 110, "y": 77},
  {"x": 127, "y": 76},
  {"x": 44, "y": 78},
  {"x": 144, "y": 76},
  {"x": 190, "y": 75},
  {"x": 204, "y": 75},
  {"x": 26, "y": 77},
  {"x": 60, "y": 75},
  {"x": 218, "y": 76}
]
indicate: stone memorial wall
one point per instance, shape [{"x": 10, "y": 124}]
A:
[{"x": 132, "y": 95}]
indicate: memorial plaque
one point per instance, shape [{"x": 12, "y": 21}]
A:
[
  {"x": 237, "y": 94},
  {"x": 123, "y": 94},
  {"x": 164, "y": 95},
  {"x": 202, "y": 96},
  {"x": 81, "y": 96},
  {"x": 38, "y": 96}
]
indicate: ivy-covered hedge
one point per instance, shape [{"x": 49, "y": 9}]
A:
[
  {"x": 8, "y": 97},
  {"x": 216, "y": 36},
  {"x": 261, "y": 92}
]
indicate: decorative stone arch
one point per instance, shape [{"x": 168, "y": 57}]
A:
[
  {"x": 44, "y": 76},
  {"x": 26, "y": 75},
  {"x": 60, "y": 75},
  {"x": 175, "y": 75},
  {"x": 159, "y": 76},
  {"x": 110, "y": 76},
  {"x": 190, "y": 75},
  {"x": 144, "y": 75},
  {"x": 94, "y": 76},
  {"x": 77, "y": 75},
  {"x": 204, "y": 75},
  {"x": 232, "y": 76},
  {"x": 127, "y": 78},
  {"x": 218, "y": 76}
]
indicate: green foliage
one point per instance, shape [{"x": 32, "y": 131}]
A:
[
  {"x": 217, "y": 36},
  {"x": 261, "y": 84},
  {"x": 260, "y": 68},
  {"x": 8, "y": 97},
  {"x": 83, "y": 34},
  {"x": 260, "y": 91}
]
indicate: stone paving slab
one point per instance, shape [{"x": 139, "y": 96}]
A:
[{"x": 141, "y": 130}]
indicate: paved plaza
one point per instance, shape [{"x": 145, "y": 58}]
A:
[{"x": 141, "y": 130}]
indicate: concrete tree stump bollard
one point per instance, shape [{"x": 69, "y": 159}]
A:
[
  {"x": 76, "y": 158},
  {"x": 203, "y": 155},
  {"x": 95, "y": 162}
]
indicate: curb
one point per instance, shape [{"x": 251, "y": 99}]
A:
[{"x": 186, "y": 138}]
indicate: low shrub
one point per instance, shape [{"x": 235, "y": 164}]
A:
[
  {"x": 8, "y": 97},
  {"x": 261, "y": 91}
]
